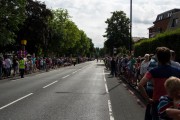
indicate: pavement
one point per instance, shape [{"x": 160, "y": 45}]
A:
[
  {"x": 17, "y": 76},
  {"x": 127, "y": 103}
]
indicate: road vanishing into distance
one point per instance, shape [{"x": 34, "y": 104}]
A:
[{"x": 81, "y": 92}]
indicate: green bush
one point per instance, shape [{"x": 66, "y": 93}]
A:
[{"x": 170, "y": 39}]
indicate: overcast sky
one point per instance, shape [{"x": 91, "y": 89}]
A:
[{"x": 90, "y": 15}]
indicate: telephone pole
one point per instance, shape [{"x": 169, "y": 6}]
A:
[{"x": 130, "y": 41}]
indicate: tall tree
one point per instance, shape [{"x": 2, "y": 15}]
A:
[
  {"x": 11, "y": 16},
  {"x": 35, "y": 29},
  {"x": 85, "y": 43},
  {"x": 67, "y": 39},
  {"x": 59, "y": 31},
  {"x": 71, "y": 34},
  {"x": 91, "y": 51},
  {"x": 117, "y": 32}
]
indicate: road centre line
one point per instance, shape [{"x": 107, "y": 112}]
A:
[
  {"x": 74, "y": 72},
  {"x": 50, "y": 84},
  {"x": 66, "y": 76},
  {"x": 16, "y": 101}
]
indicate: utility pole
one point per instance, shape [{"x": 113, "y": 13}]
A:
[{"x": 130, "y": 39}]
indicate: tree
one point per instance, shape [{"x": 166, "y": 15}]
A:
[
  {"x": 101, "y": 52},
  {"x": 60, "y": 34},
  {"x": 66, "y": 38},
  {"x": 85, "y": 43},
  {"x": 117, "y": 32},
  {"x": 35, "y": 29},
  {"x": 71, "y": 34},
  {"x": 46, "y": 31},
  {"x": 91, "y": 51},
  {"x": 11, "y": 16}
]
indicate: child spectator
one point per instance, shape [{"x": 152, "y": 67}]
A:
[
  {"x": 158, "y": 76},
  {"x": 169, "y": 106}
]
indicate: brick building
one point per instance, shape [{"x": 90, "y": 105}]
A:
[{"x": 165, "y": 21}]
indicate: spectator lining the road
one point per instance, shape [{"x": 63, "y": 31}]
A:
[
  {"x": 1, "y": 67},
  {"x": 169, "y": 105},
  {"x": 22, "y": 67},
  {"x": 158, "y": 76},
  {"x": 149, "y": 86},
  {"x": 8, "y": 65},
  {"x": 144, "y": 64},
  {"x": 113, "y": 67},
  {"x": 148, "y": 65},
  {"x": 15, "y": 65},
  {"x": 173, "y": 62}
]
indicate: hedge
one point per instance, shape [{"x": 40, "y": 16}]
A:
[{"x": 170, "y": 39}]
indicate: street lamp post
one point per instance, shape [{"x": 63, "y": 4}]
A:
[{"x": 130, "y": 41}]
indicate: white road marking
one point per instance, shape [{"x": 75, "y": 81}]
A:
[
  {"x": 16, "y": 101},
  {"x": 106, "y": 85},
  {"x": 74, "y": 72},
  {"x": 106, "y": 73},
  {"x": 50, "y": 84},
  {"x": 14, "y": 80},
  {"x": 66, "y": 76},
  {"x": 124, "y": 85},
  {"x": 131, "y": 92},
  {"x": 106, "y": 88},
  {"x": 109, "y": 101},
  {"x": 110, "y": 110}
]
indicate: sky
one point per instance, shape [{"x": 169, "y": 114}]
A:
[{"x": 90, "y": 15}]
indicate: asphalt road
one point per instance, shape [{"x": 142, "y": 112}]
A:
[{"x": 81, "y": 92}]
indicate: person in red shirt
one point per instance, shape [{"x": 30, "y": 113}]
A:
[{"x": 158, "y": 75}]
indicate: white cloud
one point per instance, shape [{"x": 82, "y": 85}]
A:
[{"x": 90, "y": 15}]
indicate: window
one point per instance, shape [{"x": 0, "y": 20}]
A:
[
  {"x": 169, "y": 14},
  {"x": 160, "y": 17},
  {"x": 159, "y": 30},
  {"x": 174, "y": 22}
]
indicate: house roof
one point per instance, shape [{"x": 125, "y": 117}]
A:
[
  {"x": 151, "y": 27},
  {"x": 166, "y": 14}
]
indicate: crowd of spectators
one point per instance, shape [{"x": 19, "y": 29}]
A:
[
  {"x": 9, "y": 64},
  {"x": 149, "y": 74}
]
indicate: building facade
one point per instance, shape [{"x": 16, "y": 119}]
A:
[{"x": 165, "y": 21}]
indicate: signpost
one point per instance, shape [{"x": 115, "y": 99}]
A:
[{"x": 22, "y": 52}]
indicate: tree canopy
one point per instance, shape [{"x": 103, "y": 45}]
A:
[
  {"x": 117, "y": 31},
  {"x": 11, "y": 16},
  {"x": 48, "y": 32},
  {"x": 35, "y": 27}
]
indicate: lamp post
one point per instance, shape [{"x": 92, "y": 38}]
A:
[{"x": 130, "y": 41}]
